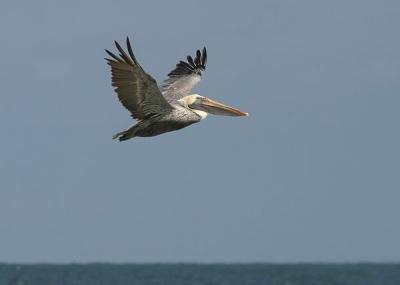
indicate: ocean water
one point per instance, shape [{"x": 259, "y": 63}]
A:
[{"x": 199, "y": 274}]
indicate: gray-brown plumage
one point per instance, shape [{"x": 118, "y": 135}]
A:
[{"x": 161, "y": 110}]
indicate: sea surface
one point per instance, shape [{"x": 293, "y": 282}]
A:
[{"x": 196, "y": 274}]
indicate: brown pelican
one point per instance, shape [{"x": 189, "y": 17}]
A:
[{"x": 164, "y": 109}]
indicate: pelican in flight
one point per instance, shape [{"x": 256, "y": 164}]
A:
[{"x": 164, "y": 109}]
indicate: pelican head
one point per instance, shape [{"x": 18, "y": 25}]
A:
[{"x": 203, "y": 106}]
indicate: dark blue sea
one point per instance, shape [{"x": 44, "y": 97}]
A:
[{"x": 197, "y": 274}]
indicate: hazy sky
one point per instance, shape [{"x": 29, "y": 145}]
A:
[{"x": 312, "y": 175}]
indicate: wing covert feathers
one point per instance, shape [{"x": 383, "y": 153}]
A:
[{"x": 185, "y": 76}]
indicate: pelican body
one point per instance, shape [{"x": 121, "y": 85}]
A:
[{"x": 165, "y": 109}]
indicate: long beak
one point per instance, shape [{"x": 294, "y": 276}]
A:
[{"x": 216, "y": 108}]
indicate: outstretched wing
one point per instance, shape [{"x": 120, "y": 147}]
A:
[
  {"x": 185, "y": 76},
  {"x": 137, "y": 91}
]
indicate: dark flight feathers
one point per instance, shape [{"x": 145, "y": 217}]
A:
[
  {"x": 137, "y": 91},
  {"x": 196, "y": 66}
]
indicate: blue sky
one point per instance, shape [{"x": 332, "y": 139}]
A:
[{"x": 311, "y": 175}]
